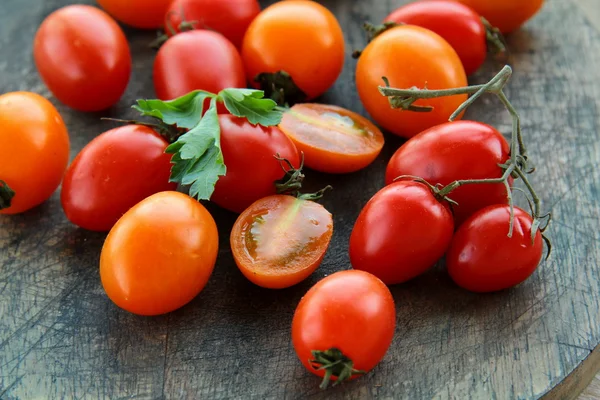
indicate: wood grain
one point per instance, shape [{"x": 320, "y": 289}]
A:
[{"x": 60, "y": 336}]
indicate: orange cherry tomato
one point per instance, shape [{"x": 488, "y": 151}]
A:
[
  {"x": 160, "y": 254},
  {"x": 409, "y": 56},
  {"x": 34, "y": 149},
  {"x": 302, "y": 38},
  {"x": 506, "y": 15},
  {"x": 144, "y": 14},
  {"x": 333, "y": 139},
  {"x": 280, "y": 240}
]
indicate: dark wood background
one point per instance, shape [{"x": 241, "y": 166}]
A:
[{"x": 60, "y": 336}]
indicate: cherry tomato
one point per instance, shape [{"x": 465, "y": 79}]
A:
[
  {"x": 401, "y": 232},
  {"x": 231, "y": 18},
  {"x": 348, "y": 317},
  {"x": 34, "y": 149},
  {"x": 83, "y": 57},
  {"x": 159, "y": 255},
  {"x": 482, "y": 258},
  {"x": 248, "y": 152},
  {"x": 333, "y": 139},
  {"x": 280, "y": 240},
  {"x": 114, "y": 172},
  {"x": 302, "y": 38},
  {"x": 454, "y": 151},
  {"x": 455, "y": 22},
  {"x": 216, "y": 65},
  {"x": 506, "y": 15},
  {"x": 144, "y": 14},
  {"x": 409, "y": 56}
]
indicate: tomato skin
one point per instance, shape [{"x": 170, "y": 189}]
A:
[
  {"x": 144, "y": 14},
  {"x": 352, "y": 311},
  {"x": 248, "y": 152},
  {"x": 267, "y": 250},
  {"x": 329, "y": 144},
  {"x": 506, "y": 15},
  {"x": 230, "y": 18},
  {"x": 401, "y": 232},
  {"x": 84, "y": 69},
  {"x": 454, "y": 151},
  {"x": 482, "y": 258},
  {"x": 455, "y": 22},
  {"x": 114, "y": 172},
  {"x": 34, "y": 149},
  {"x": 216, "y": 66},
  {"x": 159, "y": 255},
  {"x": 409, "y": 56},
  {"x": 302, "y": 38}
]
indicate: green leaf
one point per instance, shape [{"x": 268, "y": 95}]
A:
[
  {"x": 6, "y": 195},
  {"x": 251, "y": 104},
  {"x": 184, "y": 112},
  {"x": 197, "y": 158}
]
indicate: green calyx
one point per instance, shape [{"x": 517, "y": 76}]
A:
[
  {"x": 281, "y": 88},
  {"x": 6, "y": 195},
  {"x": 335, "y": 364},
  {"x": 291, "y": 183}
]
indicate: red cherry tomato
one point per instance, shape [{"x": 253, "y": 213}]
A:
[
  {"x": 197, "y": 60},
  {"x": 348, "y": 318},
  {"x": 455, "y": 22},
  {"x": 248, "y": 152},
  {"x": 280, "y": 240},
  {"x": 401, "y": 232},
  {"x": 454, "y": 151},
  {"x": 144, "y": 14},
  {"x": 482, "y": 258},
  {"x": 231, "y": 18},
  {"x": 114, "y": 172},
  {"x": 83, "y": 57},
  {"x": 506, "y": 15}
]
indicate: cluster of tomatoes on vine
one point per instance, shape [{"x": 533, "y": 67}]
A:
[{"x": 448, "y": 188}]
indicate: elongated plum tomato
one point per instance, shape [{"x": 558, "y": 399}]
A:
[
  {"x": 216, "y": 65},
  {"x": 34, "y": 149},
  {"x": 144, "y": 14},
  {"x": 302, "y": 38},
  {"x": 409, "y": 56},
  {"x": 230, "y": 18},
  {"x": 333, "y": 139},
  {"x": 482, "y": 258},
  {"x": 348, "y": 317},
  {"x": 83, "y": 57},
  {"x": 248, "y": 152},
  {"x": 455, "y": 22},
  {"x": 454, "y": 151},
  {"x": 114, "y": 172},
  {"x": 159, "y": 255},
  {"x": 280, "y": 240},
  {"x": 506, "y": 15},
  {"x": 401, "y": 232}
]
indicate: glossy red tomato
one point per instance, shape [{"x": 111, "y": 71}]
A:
[
  {"x": 197, "y": 60},
  {"x": 248, "y": 152},
  {"x": 506, "y": 15},
  {"x": 455, "y": 22},
  {"x": 114, "y": 172},
  {"x": 454, "y": 151},
  {"x": 145, "y": 14},
  {"x": 160, "y": 254},
  {"x": 348, "y": 318},
  {"x": 231, "y": 18},
  {"x": 401, "y": 232},
  {"x": 83, "y": 57},
  {"x": 482, "y": 258}
]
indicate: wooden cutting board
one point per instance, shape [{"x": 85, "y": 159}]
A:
[{"x": 60, "y": 336}]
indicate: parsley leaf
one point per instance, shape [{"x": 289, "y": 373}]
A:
[
  {"x": 185, "y": 111},
  {"x": 251, "y": 104}
]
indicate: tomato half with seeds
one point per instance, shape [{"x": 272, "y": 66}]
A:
[
  {"x": 144, "y": 14},
  {"x": 409, "y": 56},
  {"x": 333, "y": 139},
  {"x": 159, "y": 255},
  {"x": 280, "y": 240},
  {"x": 456, "y": 151},
  {"x": 506, "y": 15},
  {"x": 344, "y": 325},
  {"x": 114, "y": 172},
  {"x": 401, "y": 232},
  {"x": 482, "y": 258},
  {"x": 34, "y": 149}
]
